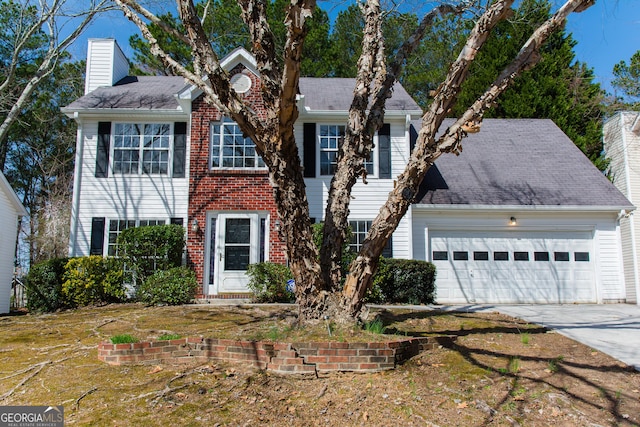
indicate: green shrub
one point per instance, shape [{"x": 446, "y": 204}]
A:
[
  {"x": 406, "y": 281},
  {"x": 123, "y": 339},
  {"x": 44, "y": 286},
  {"x": 93, "y": 280},
  {"x": 174, "y": 286},
  {"x": 150, "y": 248},
  {"x": 268, "y": 282}
]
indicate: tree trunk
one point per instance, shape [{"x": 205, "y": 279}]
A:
[{"x": 428, "y": 149}]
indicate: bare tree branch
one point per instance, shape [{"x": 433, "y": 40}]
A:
[{"x": 427, "y": 149}]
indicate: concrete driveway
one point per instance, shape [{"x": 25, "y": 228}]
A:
[{"x": 613, "y": 329}]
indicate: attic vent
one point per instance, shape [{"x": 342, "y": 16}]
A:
[{"x": 241, "y": 83}]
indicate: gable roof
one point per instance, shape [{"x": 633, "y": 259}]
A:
[
  {"x": 336, "y": 94},
  {"x": 518, "y": 162},
  {"x": 11, "y": 196},
  {"x": 160, "y": 93},
  {"x": 133, "y": 93}
]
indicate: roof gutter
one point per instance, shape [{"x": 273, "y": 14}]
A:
[
  {"x": 527, "y": 208},
  {"x": 91, "y": 112}
]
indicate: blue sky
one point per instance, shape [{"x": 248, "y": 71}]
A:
[{"x": 606, "y": 34}]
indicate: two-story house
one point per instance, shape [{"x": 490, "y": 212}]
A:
[{"x": 520, "y": 216}]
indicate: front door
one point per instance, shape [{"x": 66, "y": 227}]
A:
[{"x": 235, "y": 240}]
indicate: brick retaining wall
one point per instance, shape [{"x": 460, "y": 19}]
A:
[{"x": 289, "y": 358}]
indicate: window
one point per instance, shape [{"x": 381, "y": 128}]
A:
[
  {"x": 460, "y": 256},
  {"x": 331, "y": 137},
  {"x": 230, "y": 149},
  {"x": 581, "y": 256},
  {"x": 541, "y": 256},
  {"x": 359, "y": 230},
  {"x": 480, "y": 256},
  {"x": 561, "y": 256},
  {"x": 116, "y": 226},
  {"x": 501, "y": 256},
  {"x": 521, "y": 256},
  {"x": 440, "y": 256},
  {"x": 141, "y": 148}
]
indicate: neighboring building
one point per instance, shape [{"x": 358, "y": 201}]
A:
[
  {"x": 11, "y": 210},
  {"x": 150, "y": 150},
  {"x": 622, "y": 149}
]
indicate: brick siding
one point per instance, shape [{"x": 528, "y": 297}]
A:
[{"x": 224, "y": 190}]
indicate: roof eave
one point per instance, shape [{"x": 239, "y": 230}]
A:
[
  {"x": 529, "y": 208},
  {"x": 75, "y": 113}
]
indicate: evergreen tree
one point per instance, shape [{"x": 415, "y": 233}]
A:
[
  {"x": 558, "y": 88},
  {"x": 627, "y": 79}
]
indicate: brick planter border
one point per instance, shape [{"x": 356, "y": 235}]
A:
[{"x": 284, "y": 358}]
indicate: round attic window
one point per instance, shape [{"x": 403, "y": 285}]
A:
[{"x": 241, "y": 83}]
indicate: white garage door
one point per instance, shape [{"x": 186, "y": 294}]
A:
[{"x": 509, "y": 267}]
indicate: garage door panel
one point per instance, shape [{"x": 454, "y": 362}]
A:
[{"x": 546, "y": 272}]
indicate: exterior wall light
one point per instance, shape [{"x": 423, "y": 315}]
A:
[
  {"x": 513, "y": 221},
  {"x": 194, "y": 226}
]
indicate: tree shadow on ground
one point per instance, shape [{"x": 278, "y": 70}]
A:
[{"x": 552, "y": 372}]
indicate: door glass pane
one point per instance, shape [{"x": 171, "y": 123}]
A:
[
  {"x": 237, "y": 243},
  {"x": 238, "y": 230},
  {"x": 236, "y": 258}
]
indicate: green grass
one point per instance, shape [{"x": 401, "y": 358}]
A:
[
  {"x": 524, "y": 337},
  {"x": 375, "y": 326},
  {"x": 168, "y": 337},
  {"x": 123, "y": 339}
]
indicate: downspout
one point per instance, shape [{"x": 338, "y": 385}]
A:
[{"x": 77, "y": 180}]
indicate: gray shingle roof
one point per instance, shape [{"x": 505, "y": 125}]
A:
[
  {"x": 157, "y": 93},
  {"x": 528, "y": 162},
  {"x": 328, "y": 94},
  {"x": 143, "y": 92}
]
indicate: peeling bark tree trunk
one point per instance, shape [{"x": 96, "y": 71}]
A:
[
  {"x": 317, "y": 278},
  {"x": 428, "y": 149}
]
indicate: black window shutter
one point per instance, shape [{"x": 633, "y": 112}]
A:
[
  {"x": 102, "y": 155},
  {"x": 97, "y": 236},
  {"x": 179, "y": 149},
  {"x": 384, "y": 151},
  {"x": 387, "y": 252},
  {"x": 309, "y": 146},
  {"x": 179, "y": 221}
]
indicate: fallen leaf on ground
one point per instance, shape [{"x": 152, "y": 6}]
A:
[{"x": 155, "y": 369}]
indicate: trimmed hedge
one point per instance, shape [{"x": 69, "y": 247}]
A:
[
  {"x": 43, "y": 285},
  {"x": 268, "y": 282},
  {"x": 93, "y": 280},
  {"x": 147, "y": 249},
  {"x": 171, "y": 287},
  {"x": 405, "y": 281}
]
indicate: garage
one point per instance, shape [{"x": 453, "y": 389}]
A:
[{"x": 513, "y": 267}]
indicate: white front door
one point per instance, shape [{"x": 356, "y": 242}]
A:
[{"x": 234, "y": 240}]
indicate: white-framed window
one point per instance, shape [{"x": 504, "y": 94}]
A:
[
  {"x": 330, "y": 137},
  {"x": 141, "y": 148},
  {"x": 116, "y": 226},
  {"x": 359, "y": 231},
  {"x": 230, "y": 149}
]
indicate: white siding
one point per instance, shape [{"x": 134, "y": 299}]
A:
[
  {"x": 609, "y": 280},
  {"x": 366, "y": 198},
  {"x": 106, "y": 64},
  {"x": 132, "y": 197},
  {"x": 9, "y": 221},
  {"x": 622, "y": 148}
]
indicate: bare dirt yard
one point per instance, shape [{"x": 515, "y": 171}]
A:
[{"x": 500, "y": 372}]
